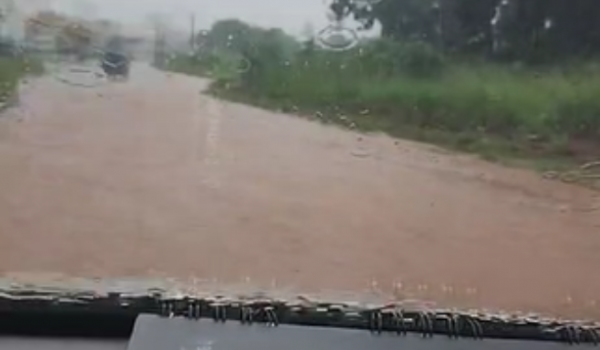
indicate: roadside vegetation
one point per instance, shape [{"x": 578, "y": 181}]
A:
[
  {"x": 13, "y": 69},
  {"x": 506, "y": 92}
]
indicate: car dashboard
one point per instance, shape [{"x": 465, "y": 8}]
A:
[
  {"x": 153, "y": 332},
  {"x": 132, "y": 315}
]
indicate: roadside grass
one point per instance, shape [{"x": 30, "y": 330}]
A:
[
  {"x": 12, "y": 70},
  {"x": 186, "y": 65},
  {"x": 547, "y": 118},
  {"x": 550, "y": 156},
  {"x": 218, "y": 67}
]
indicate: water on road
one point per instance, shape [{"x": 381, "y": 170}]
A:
[{"x": 151, "y": 178}]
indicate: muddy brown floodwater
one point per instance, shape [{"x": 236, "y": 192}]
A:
[{"x": 150, "y": 178}]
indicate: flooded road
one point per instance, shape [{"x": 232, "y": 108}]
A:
[{"x": 151, "y": 178}]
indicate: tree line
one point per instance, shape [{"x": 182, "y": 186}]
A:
[{"x": 530, "y": 30}]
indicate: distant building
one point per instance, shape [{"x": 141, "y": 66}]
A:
[
  {"x": 50, "y": 31},
  {"x": 42, "y": 29}
]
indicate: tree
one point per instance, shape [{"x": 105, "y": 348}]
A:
[
  {"x": 230, "y": 34},
  {"x": 399, "y": 19},
  {"x": 520, "y": 29}
]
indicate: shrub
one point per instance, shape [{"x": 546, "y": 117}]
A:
[{"x": 420, "y": 60}]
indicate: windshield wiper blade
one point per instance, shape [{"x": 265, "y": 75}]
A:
[{"x": 135, "y": 297}]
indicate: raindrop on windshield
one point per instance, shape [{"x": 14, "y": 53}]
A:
[{"x": 337, "y": 38}]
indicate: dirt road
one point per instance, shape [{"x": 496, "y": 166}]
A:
[{"x": 150, "y": 178}]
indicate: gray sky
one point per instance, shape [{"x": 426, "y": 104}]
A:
[{"x": 291, "y": 15}]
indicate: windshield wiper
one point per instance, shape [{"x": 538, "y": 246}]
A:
[{"x": 130, "y": 299}]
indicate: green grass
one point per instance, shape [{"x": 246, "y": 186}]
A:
[
  {"x": 504, "y": 113},
  {"x": 12, "y": 70},
  {"x": 219, "y": 68}
]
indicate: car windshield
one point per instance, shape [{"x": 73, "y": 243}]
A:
[{"x": 439, "y": 153}]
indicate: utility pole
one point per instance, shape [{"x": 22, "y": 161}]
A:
[
  {"x": 159, "y": 43},
  {"x": 192, "y": 32}
]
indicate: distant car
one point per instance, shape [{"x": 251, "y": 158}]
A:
[{"x": 115, "y": 64}]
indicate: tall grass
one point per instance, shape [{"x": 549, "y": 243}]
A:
[{"x": 408, "y": 89}]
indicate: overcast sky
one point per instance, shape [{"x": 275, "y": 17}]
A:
[{"x": 291, "y": 15}]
